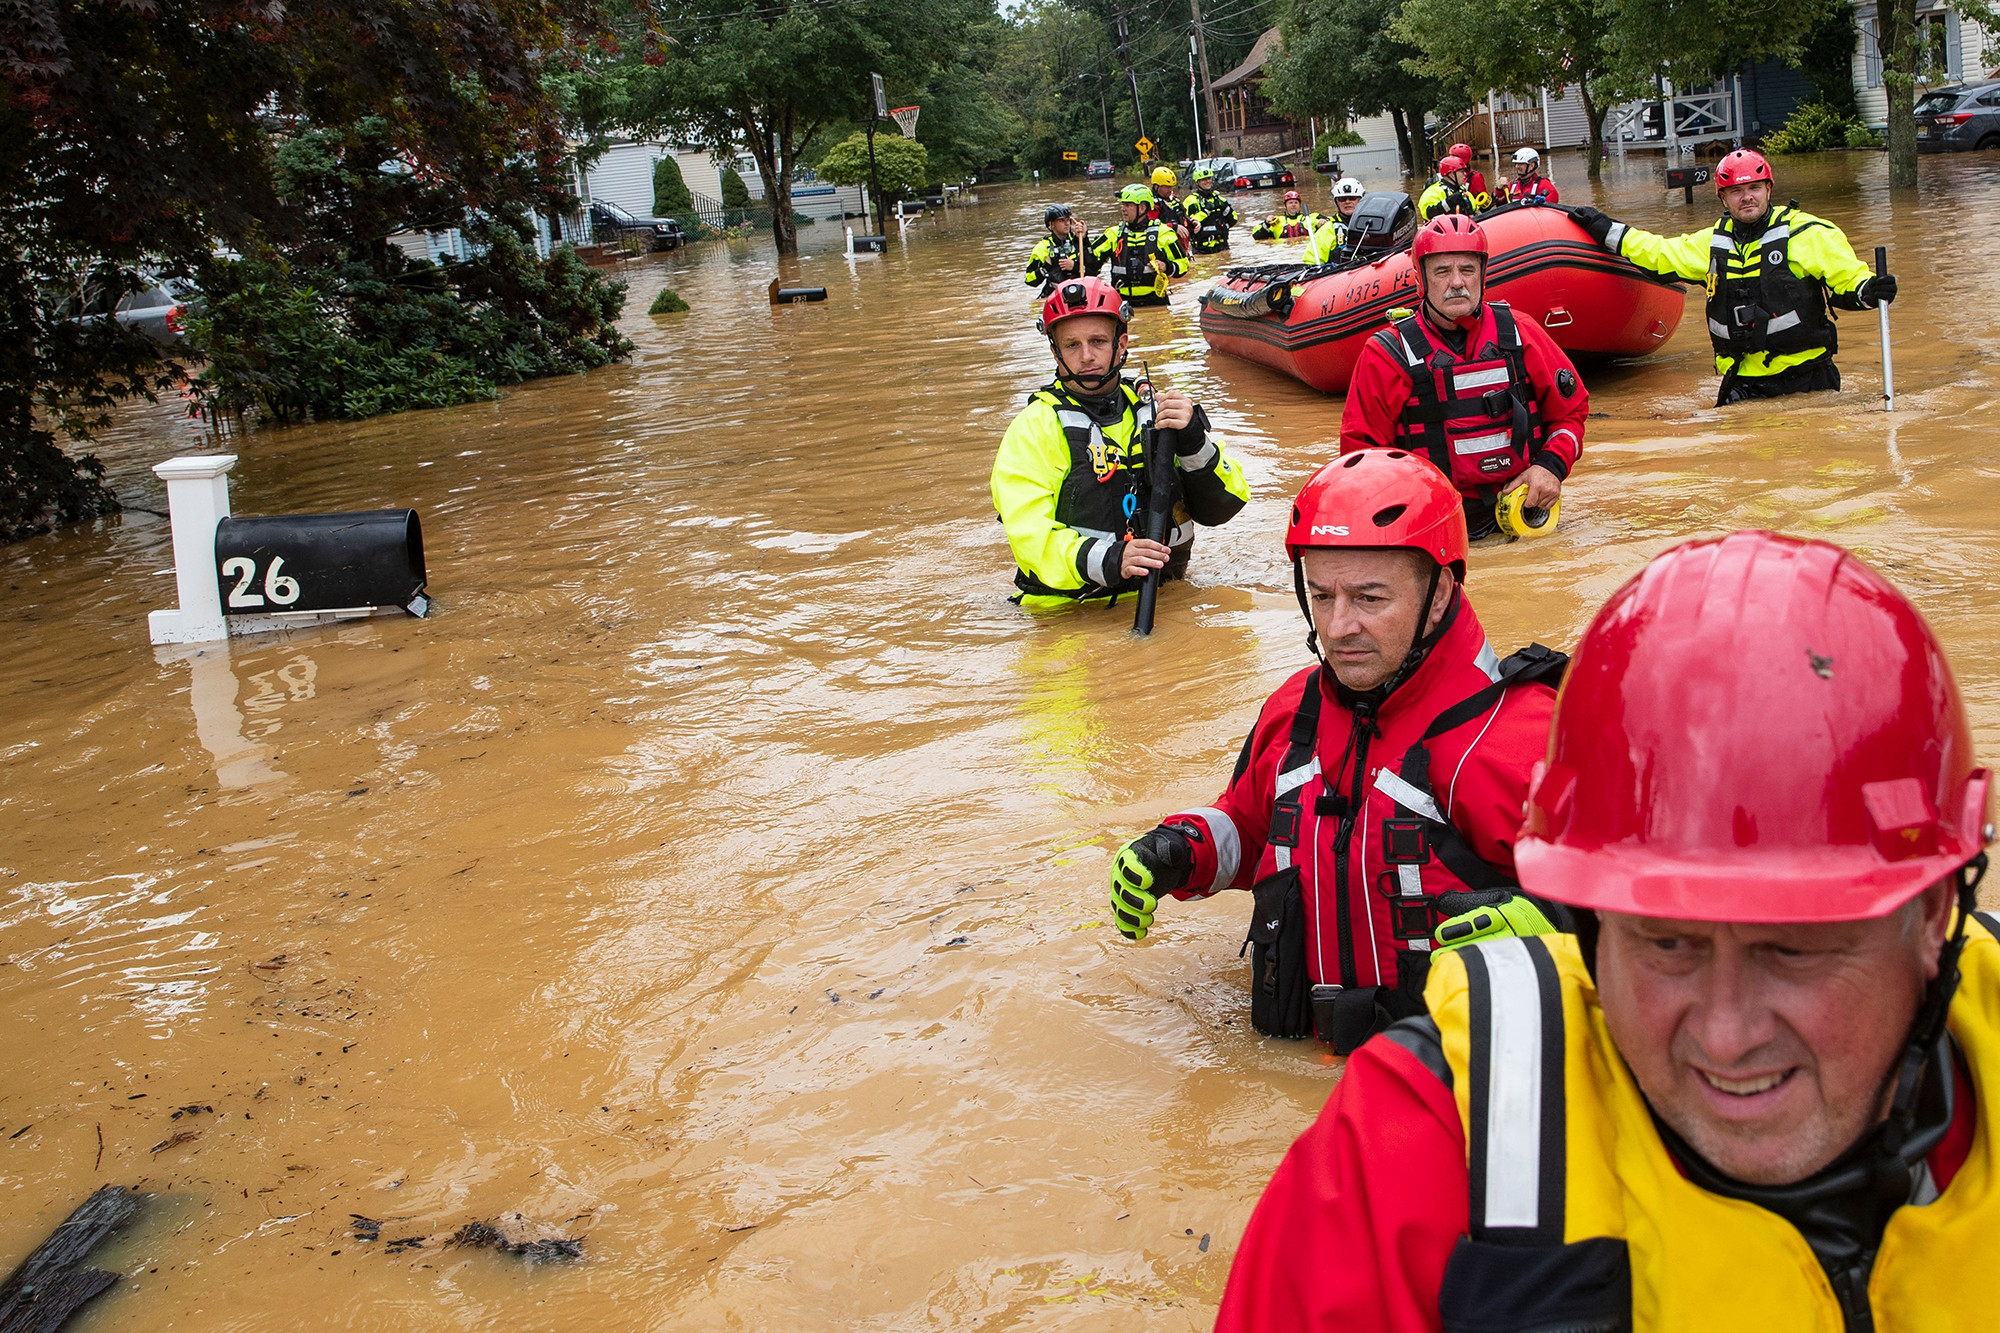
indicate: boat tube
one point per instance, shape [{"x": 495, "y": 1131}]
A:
[{"x": 1309, "y": 321}]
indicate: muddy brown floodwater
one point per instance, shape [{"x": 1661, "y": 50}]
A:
[{"x": 717, "y": 876}]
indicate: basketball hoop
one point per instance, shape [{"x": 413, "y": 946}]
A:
[{"x": 906, "y": 120}]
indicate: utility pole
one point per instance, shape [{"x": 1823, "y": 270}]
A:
[
  {"x": 1103, "y": 107},
  {"x": 1193, "y": 103},
  {"x": 1131, "y": 75},
  {"x": 1201, "y": 64}
]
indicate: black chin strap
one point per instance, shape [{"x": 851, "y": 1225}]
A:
[
  {"x": 1928, "y": 1029},
  {"x": 1419, "y": 650}
]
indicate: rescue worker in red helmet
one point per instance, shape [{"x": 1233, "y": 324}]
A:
[
  {"x": 1481, "y": 391},
  {"x": 1292, "y": 224},
  {"x": 1754, "y": 1088},
  {"x": 1452, "y": 192},
  {"x": 1070, "y": 479},
  {"x": 1375, "y": 784},
  {"x": 1771, "y": 274},
  {"x": 1475, "y": 178},
  {"x": 1529, "y": 182}
]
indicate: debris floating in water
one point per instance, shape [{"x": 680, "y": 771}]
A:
[{"x": 485, "y": 1235}]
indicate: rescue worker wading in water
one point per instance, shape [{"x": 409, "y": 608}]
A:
[
  {"x": 1291, "y": 224},
  {"x": 1376, "y": 784},
  {"x": 1209, "y": 215},
  {"x": 1138, "y": 256},
  {"x": 1057, "y": 255},
  {"x": 1757, "y": 1086},
  {"x": 1770, "y": 273},
  {"x": 1166, "y": 205},
  {"x": 1529, "y": 182},
  {"x": 1070, "y": 480},
  {"x": 1482, "y": 392}
]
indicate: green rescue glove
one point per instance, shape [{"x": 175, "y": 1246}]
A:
[
  {"x": 1514, "y": 914},
  {"x": 1145, "y": 869}
]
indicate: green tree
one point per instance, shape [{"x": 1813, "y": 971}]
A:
[
  {"x": 901, "y": 164},
  {"x": 140, "y": 136},
  {"x": 671, "y": 195},
  {"x": 1340, "y": 59},
  {"x": 735, "y": 194}
]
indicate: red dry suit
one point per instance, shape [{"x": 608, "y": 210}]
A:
[
  {"x": 1364, "y": 807},
  {"x": 1535, "y": 187},
  {"x": 1483, "y": 416}
]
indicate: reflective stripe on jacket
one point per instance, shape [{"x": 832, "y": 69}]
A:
[
  {"x": 1060, "y": 482},
  {"x": 1326, "y": 240},
  {"x": 1571, "y": 1181},
  {"x": 1042, "y": 270},
  {"x": 1210, "y": 215},
  {"x": 1751, "y": 298},
  {"x": 1367, "y": 907},
  {"x": 1482, "y": 418},
  {"x": 1535, "y": 187},
  {"x": 1440, "y": 197},
  {"x": 1126, "y": 253}
]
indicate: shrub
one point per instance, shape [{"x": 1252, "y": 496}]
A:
[
  {"x": 1812, "y": 128},
  {"x": 1341, "y": 138},
  {"x": 671, "y": 196},
  {"x": 345, "y": 337},
  {"x": 735, "y": 194},
  {"x": 1860, "y": 136},
  {"x": 668, "y": 302}
]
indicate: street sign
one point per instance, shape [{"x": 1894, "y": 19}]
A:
[
  {"x": 1145, "y": 147},
  {"x": 1069, "y": 157}
]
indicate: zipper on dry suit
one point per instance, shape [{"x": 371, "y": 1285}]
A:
[{"x": 1348, "y": 808}]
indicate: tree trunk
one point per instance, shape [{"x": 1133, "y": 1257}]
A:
[
  {"x": 1403, "y": 150},
  {"x": 1900, "y": 54},
  {"x": 773, "y": 153},
  {"x": 1593, "y": 116}
]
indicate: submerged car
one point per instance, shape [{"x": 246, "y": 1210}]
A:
[
  {"x": 158, "y": 309},
  {"x": 1260, "y": 173},
  {"x": 1099, "y": 168},
  {"x": 609, "y": 222},
  {"x": 1958, "y": 119}
]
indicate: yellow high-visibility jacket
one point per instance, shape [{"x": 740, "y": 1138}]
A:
[
  {"x": 1581, "y": 1217},
  {"x": 1815, "y": 255}
]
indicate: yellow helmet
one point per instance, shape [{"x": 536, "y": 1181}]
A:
[{"x": 1163, "y": 176}]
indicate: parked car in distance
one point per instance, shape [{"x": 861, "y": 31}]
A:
[
  {"x": 609, "y": 222},
  {"x": 157, "y": 309},
  {"x": 1955, "y": 119},
  {"x": 1098, "y": 168},
  {"x": 1260, "y": 173},
  {"x": 1223, "y": 167}
]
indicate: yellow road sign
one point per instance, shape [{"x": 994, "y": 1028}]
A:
[
  {"x": 1069, "y": 157},
  {"x": 1145, "y": 147}
]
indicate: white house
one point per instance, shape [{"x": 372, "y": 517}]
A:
[
  {"x": 1960, "y": 50},
  {"x": 623, "y": 175}
]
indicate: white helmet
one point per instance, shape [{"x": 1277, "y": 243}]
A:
[
  {"x": 1526, "y": 156},
  {"x": 1349, "y": 187}
]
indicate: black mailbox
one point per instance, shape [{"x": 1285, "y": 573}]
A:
[
  {"x": 321, "y": 562},
  {"x": 871, "y": 245},
  {"x": 1685, "y": 179}
]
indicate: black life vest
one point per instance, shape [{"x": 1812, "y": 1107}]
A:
[
  {"x": 1132, "y": 251},
  {"x": 1768, "y": 309},
  {"x": 1210, "y": 215},
  {"x": 1060, "y": 248},
  {"x": 1476, "y": 417},
  {"x": 1092, "y": 499}
]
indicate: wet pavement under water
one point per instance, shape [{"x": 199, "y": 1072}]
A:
[{"x": 717, "y": 876}]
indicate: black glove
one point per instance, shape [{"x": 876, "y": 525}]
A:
[
  {"x": 1145, "y": 870},
  {"x": 1880, "y": 290},
  {"x": 1598, "y": 224},
  {"x": 1193, "y": 437}
]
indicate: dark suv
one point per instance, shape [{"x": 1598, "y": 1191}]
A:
[
  {"x": 609, "y": 222},
  {"x": 1954, "y": 119}
]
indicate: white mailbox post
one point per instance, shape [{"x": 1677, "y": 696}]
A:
[{"x": 197, "y": 500}]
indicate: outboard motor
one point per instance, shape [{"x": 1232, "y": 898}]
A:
[{"x": 1384, "y": 221}]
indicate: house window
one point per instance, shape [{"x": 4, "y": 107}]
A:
[
  {"x": 1871, "y": 51},
  {"x": 1937, "y": 40}
]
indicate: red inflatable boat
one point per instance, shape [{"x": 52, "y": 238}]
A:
[{"x": 1310, "y": 322}]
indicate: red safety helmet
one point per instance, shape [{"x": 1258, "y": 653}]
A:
[
  {"x": 1448, "y": 234},
  {"x": 1462, "y": 151},
  {"x": 1758, "y": 729},
  {"x": 1376, "y": 498},
  {"x": 1450, "y": 163},
  {"x": 1291, "y": 195},
  {"x": 1741, "y": 167},
  {"x": 1083, "y": 296}
]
